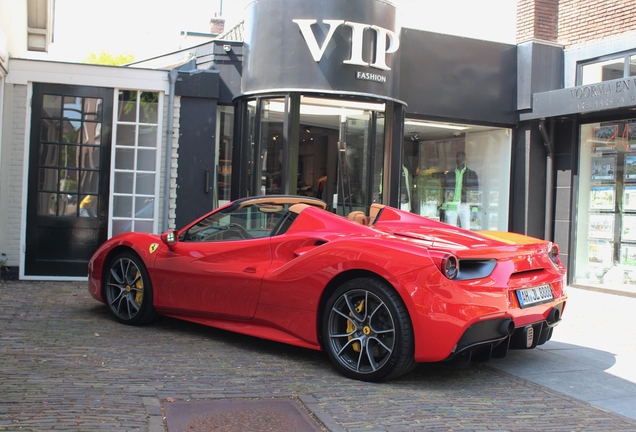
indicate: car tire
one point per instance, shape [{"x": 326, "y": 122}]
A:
[
  {"x": 128, "y": 290},
  {"x": 367, "y": 331}
]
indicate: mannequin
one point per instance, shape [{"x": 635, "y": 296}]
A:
[{"x": 460, "y": 183}]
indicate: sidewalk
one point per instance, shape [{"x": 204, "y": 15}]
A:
[
  {"x": 592, "y": 354},
  {"x": 65, "y": 364}
]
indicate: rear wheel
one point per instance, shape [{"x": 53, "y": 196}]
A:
[
  {"x": 128, "y": 290},
  {"x": 367, "y": 331}
]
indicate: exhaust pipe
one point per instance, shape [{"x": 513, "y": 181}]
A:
[
  {"x": 507, "y": 327},
  {"x": 554, "y": 316}
]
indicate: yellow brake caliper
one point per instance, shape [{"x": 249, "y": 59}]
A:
[
  {"x": 139, "y": 295},
  {"x": 351, "y": 326}
]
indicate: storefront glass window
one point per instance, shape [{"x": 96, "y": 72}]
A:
[
  {"x": 632, "y": 65},
  {"x": 225, "y": 141},
  {"x": 338, "y": 141},
  {"x": 271, "y": 157},
  {"x": 605, "y": 252},
  {"x": 459, "y": 174},
  {"x": 602, "y": 71}
]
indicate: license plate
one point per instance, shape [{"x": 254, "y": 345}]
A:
[{"x": 533, "y": 296}]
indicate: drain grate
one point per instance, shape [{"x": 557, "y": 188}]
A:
[{"x": 259, "y": 415}]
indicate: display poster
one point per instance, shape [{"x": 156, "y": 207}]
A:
[
  {"x": 600, "y": 254},
  {"x": 604, "y": 167},
  {"x": 602, "y": 198},
  {"x": 630, "y": 166},
  {"x": 629, "y": 198},
  {"x": 628, "y": 254},
  {"x": 631, "y": 135},
  {"x": 601, "y": 226},
  {"x": 493, "y": 221},
  {"x": 493, "y": 198},
  {"x": 605, "y": 137},
  {"x": 628, "y": 228}
]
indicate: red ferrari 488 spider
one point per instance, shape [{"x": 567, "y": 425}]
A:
[{"x": 379, "y": 292}]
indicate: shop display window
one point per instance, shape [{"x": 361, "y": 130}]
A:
[
  {"x": 605, "y": 241},
  {"x": 436, "y": 155}
]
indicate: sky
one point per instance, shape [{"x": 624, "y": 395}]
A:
[{"x": 148, "y": 28}]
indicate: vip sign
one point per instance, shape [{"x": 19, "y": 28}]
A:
[{"x": 357, "y": 37}]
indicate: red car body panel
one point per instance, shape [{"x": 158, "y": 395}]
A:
[{"x": 273, "y": 287}]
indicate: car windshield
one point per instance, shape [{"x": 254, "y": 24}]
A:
[{"x": 238, "y": 223}]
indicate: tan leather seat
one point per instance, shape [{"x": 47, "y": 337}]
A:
[
  {"x": 374, "y": 211},
  {"x": 359, "y": 217}
]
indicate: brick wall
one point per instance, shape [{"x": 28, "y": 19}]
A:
[
  {"x": 537, "y": 19},
  {"x": 12, "y": 172},
  {"x": 573, "y": 22},
  {"x": 581, "y": 21}
]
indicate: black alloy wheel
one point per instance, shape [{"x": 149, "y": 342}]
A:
[
  {"x": 367, "y": 331},
  {"x": 128, "y": 290}
]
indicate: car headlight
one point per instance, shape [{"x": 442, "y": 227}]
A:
[{"x": 450, "y": 266}]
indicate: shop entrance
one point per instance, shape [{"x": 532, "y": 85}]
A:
[
  {"x": 335, "y": 150},
  {"x": 69, "y": 165}
]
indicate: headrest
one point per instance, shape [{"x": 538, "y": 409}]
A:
[{"x": 359, "y": 217}]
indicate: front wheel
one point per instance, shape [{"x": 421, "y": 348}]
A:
[
  {"x": 367, "y": 331},
  {"x": 128, "y": 290}
]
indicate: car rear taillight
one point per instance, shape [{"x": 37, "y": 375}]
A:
[
  {"x": 450, "y": 266},
  {"x": 553, "y": 253}
]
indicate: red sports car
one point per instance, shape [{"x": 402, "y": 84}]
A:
[{"x": 379, "y": 292}]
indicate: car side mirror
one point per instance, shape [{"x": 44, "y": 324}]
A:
[{"x": 170, "y": 238}]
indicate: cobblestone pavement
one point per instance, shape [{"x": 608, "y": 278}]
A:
[{"x": 65, "y": 364}]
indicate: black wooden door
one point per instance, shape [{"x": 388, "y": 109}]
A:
[
  {"x": 68, "y": 183},
  {"x": 197, "y": 158}
]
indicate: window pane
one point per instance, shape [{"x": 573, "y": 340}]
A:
[
  {"x": 49, "y": 154},
  {"x": 124, "y": 182},
  {"x": 144, "y": 207},
  {"x": 225, "y": 143},
  {"x": 89, "y": 181},
  {"x": 602, "y": 71},
  {"x": 124, "y": 158},
  {"x": 47, "y": 203},
  {"x": 92, "y": 109},
  {"x": 143, "y": 226},
  {"x": 90, "y": 157},
  {"x": 50, "y": 130},
  {"x": 51, "y": 106},
  {"x": 146, "y": 160},
  {"x": 148, "y": 136},
  {"x": 91, "y": 133},
  {"x": 122, "y": 206},
  {"x": 272, "y": 146},
  {"x": 459, "y": 174},
  {"x": 148, "y": 108},
  {"x": 71, "y": 132},
  {"x": 88, "y": 206},
  {"x": 68, "y": 180},
  {"x": 69, "y": 156},
  {"x": 632, "y": 65},
  {"x": 127, "y": 106},
  {"x": 67, "y": 205},
  {"x": 47, "y": 179},
  {"x": 72, "y": 107},
  {"x": 145, "y": 184},
  {"x": 126, "y": 135},
  {"x": 605, "y": 205},
  {"x": 121, "y": 226}
]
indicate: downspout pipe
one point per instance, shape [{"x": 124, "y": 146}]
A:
[
  {"x": 172, "y": 79},
  {"x": 548, "y": 138}
]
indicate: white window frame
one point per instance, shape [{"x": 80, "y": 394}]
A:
[{"x": 158, "y": 168}]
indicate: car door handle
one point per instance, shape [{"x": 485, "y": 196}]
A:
[{"x": 250, "y": 269}]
